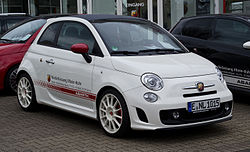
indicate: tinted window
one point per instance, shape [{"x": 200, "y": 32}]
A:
[
  {"x": 231, "y": 32},
  {"x": 198, "y": 28},
  {"x": 24, "y": 31},
  {"x": 73, "y": 33},
  {"x": 48, "y": 37}
]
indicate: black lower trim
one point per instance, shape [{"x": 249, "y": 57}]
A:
[
  {"x": 196, "y": 125},
  {"x": 186, "y": 117}
]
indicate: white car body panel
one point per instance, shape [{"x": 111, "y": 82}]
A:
[
  {"x": 180, "y": 65},
  {"x": 122, "y": 73}
]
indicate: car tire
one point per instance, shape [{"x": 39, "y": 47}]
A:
[
  {"x": 113, "y": 113},
  {"x": 26, "y": 93},
  {"x": 10, "y": 80}
]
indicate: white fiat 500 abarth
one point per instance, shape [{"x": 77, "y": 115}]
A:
[{"x": 123, "y": 71}]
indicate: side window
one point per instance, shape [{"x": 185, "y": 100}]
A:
[
  {"x": 231, "y": 32},
  {"x": 73, "y": 33},
  {"x": 48, "y": 37},
  {"x": 198, "y": 28}
]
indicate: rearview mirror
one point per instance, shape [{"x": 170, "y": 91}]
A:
[
  {"x": 82, "y": 48},
  {"x": 247, "y": 45}
]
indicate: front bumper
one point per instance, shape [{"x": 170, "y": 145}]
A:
[{"x": 159, "y": 115}]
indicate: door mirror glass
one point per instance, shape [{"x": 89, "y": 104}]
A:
[
  {"x": 247, "y": 45},
  {"x": 80, "y": 48}
]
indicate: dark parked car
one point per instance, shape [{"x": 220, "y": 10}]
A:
[
  {"x": 224, "y": 40},
  {"x": 8, "y": 20}
]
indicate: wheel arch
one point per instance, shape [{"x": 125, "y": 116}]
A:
[
  {"x": 6, "y": 76},
  {"x": 100, "y": 92},
  {"x": 10, "y": 68},
  {"x": 22, "y": 72}
]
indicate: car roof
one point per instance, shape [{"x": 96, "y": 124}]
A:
[
  {"x": 98, "y": 17},
  {"x": 240, "y": 16}
]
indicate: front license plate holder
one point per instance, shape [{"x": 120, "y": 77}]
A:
[{"x": 203, "y": 105}]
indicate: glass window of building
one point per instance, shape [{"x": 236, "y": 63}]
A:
[
  {"x": 104, "y": 6},
  {"x": 69, "y": 6},
  {"x": 84, "y": 6},
  {"x": 136, "y": 8},
  {"x": 39, "y": 7},
  {"x": 166, "y": 14},
  {"x": 196, "y": 7},
  {"x": 1, "y": 6},
  {"x": 155, "y": 17},
  {"x": 237, "y": 6},
  {"x": 14, "y": 6}
]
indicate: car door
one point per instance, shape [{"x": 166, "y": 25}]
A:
[
  {"x": 234, "y": 61},
  {"x": 67, "y": 75}
]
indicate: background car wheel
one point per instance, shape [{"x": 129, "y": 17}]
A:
[
  {"x": 10, "y": 80},
  {"x": 113, "y": 114},
  {"x": 25, "y": 93}
]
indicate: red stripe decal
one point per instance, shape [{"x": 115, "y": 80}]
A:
[{"x": 69, "y": 91}]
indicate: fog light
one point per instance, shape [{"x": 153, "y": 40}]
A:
[
  {"x": 227, "y": 107},
  {"x": 150, "y": 97},
  {"x": 176, "y": 115}
]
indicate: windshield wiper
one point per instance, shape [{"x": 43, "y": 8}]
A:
[
  {"x": 162, "y": 51},
  {"x": 123, "y": 53},
  {"x": 17, "y": 41},
  {"x": 5, "y": 40}
]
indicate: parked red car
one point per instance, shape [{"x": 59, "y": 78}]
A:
[{"x": 13, "y": 46}]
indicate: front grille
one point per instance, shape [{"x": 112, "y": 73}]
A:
[
  {"x": 199, "y": 94},
  {"x": 185, "y": 117}
]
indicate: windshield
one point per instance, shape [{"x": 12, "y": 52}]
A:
[
  {"x": 23, "y": 32},
  {"x": 136, "y": 38}
]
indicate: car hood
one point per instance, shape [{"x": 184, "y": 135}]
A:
[
  {"x": 6, "y": 49},
  {"x": 166, "y": 66}
]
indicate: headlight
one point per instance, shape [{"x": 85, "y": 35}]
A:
[
  {"x": 219, "y": 74},
  {"x": 152, "y": 81}
]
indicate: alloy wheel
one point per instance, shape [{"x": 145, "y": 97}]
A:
[
  {"x": 110, "y": 113},
  {"x": 24, "y": 92}
]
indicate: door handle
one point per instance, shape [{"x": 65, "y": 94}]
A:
[{"x": 51, "y": 61}]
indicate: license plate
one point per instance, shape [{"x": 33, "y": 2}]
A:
[{"x": 204, "y": 105}]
